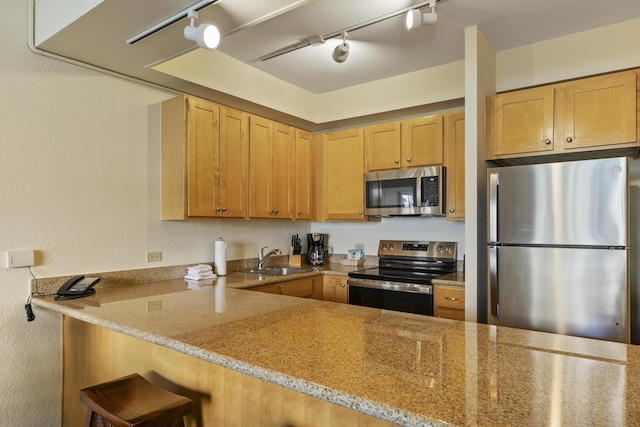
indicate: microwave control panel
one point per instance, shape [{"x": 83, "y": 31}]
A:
[{"x": 430, "y": 191}]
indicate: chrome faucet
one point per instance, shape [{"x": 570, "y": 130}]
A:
[{"x": 262, "y": 257}]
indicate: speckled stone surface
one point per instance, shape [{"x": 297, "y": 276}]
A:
[
  {"x": 453, "y": 279},
  {"x": 408, "y": 369}
]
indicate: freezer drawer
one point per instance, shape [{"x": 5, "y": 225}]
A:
[{"x": 581, "y": 292}]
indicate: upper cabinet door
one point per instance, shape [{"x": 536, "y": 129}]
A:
[
  {"x": 422, "y": 140},
  {"x": 343, "y": 192},
  {"x": 233, "y": 164},
  {"x": 283, "y": 171},
  {"x": 272, "y": 169},
  {"x": 202, "y": 152},
  {"x": 522, "y": 122},
  {"x": 598, "y": 111},
  {"x": 303, "y": 184},
  {"x": 382, "y": 146},
  {"x": 454, "y": 161},
  {"x": 260, "y": 167}
]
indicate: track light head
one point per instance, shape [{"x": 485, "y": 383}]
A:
[
  {"x": 341, "y": 52},
  {"x": 207, "y": 36},
  {"x": 415, "y": 17}
]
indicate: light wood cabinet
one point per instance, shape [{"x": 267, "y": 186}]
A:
[
  {"x": 383, "y": 146},
  {"x": 422, "y": 140},
  {"x": 404, "y": 144},
  {"x": 520, "y": 122},
  {"x": 335, "y": 288},
  {"x": 204, "y": 160},
  {"x": 268, "y": 289},
  {"x": 343, "y": 175},
  {"x": 583, "y": 115},
  {"x": 454, "y": 162},
  {"x": 596, "y": 112},
  {"x": 449, "y": 302},
  {"x": 304, "y": 190},
  {"x": 309, "y": 287},
  {"x": 271, "y": 169}
]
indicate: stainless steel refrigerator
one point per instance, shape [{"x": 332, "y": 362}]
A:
[{"x": 558, "y": 248}]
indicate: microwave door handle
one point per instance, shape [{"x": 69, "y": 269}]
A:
[
  {"x": 493, "y": 206},
  {"x": 493, "y": 280}
]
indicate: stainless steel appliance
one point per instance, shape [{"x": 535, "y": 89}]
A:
[
  {"x": 415, "y": 191},
  {"x": 558, "y": 248},
  {"x": 402, "y": 281},
  {"x": 317, "y": 251}
]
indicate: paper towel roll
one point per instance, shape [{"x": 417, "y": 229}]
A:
[{"x": 220, "y": 260}]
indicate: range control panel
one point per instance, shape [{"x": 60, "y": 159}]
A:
[{"x": 417, "y": 249}]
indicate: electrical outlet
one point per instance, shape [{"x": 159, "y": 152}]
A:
[
  {"x": 19, "y": 259},
  {"x": 359, "y": 246},
  {"x": 154, "y": 256}
]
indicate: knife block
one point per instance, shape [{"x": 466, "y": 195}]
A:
[{"x": 294, "y": 260}]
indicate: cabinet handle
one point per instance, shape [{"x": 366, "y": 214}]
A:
[
  {"x": 276, "y": 212},
  {"x": 396, "y": 161},
  {"x": 224, "y": 209},
  {"x": 451, "y": 210},
  {"x": 299, "y": 212},
  {"x": 547, "y": 141},
  {"x": 451, "y": 298},
  {"x": 569, "y": 139},
  {"x": 360, "y": 213},
  {"x": 409, "y": 159},
  {"x": 218, "y": 209},
  {"x": 342, "y": 285}
]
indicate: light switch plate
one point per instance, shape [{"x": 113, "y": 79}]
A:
[{"x": 19, "y": 258}]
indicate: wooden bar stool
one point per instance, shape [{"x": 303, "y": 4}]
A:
[{"x": 133, "y": 401}]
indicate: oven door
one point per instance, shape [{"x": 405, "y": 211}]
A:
[{"x": 397, "y": 296}]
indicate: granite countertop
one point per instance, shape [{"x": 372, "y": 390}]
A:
[
  {"x": 404, "y": 368},
  {"x": 452, "y": 279}
]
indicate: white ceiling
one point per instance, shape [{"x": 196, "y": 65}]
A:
[{"x": 254, "y": 28}]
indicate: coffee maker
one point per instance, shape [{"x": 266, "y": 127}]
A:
[{"x": 317, "y": 253}]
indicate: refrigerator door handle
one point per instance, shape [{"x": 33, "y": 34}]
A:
[
  {"x": 493, "y": 280},
  {"x": 493, "y": 206}
]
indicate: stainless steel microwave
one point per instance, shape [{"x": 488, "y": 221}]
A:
[{"x": 415, "y": 191}]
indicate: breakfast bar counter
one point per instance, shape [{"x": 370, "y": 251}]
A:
[{"x": 285, "y": 357}]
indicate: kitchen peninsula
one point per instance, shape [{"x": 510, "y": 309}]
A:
[{"x": 250, "y": 358}]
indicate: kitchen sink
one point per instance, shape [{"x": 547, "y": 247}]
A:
[{"x": 276, "y": 271}]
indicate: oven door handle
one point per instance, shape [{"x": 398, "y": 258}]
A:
[{"x": 391, "y": 286}]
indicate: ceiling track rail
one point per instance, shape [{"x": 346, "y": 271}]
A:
[
  {"x": 312, "y": 39},
  {"x": 170, "y": 20}
]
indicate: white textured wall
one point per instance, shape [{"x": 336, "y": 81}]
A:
[
  {"x": 80, "y": 174},
  {"x": 601, "y": 50}
]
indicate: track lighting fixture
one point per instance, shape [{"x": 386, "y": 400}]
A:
[
  {"x": 205, "y": 35},
  {"x": 415, "y": 17},
  {"x": 341, "y": 52}
]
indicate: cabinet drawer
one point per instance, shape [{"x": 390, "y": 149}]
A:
[
  {"x": 449, "y": 298},
  {"x": 449, "y": 313}
]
